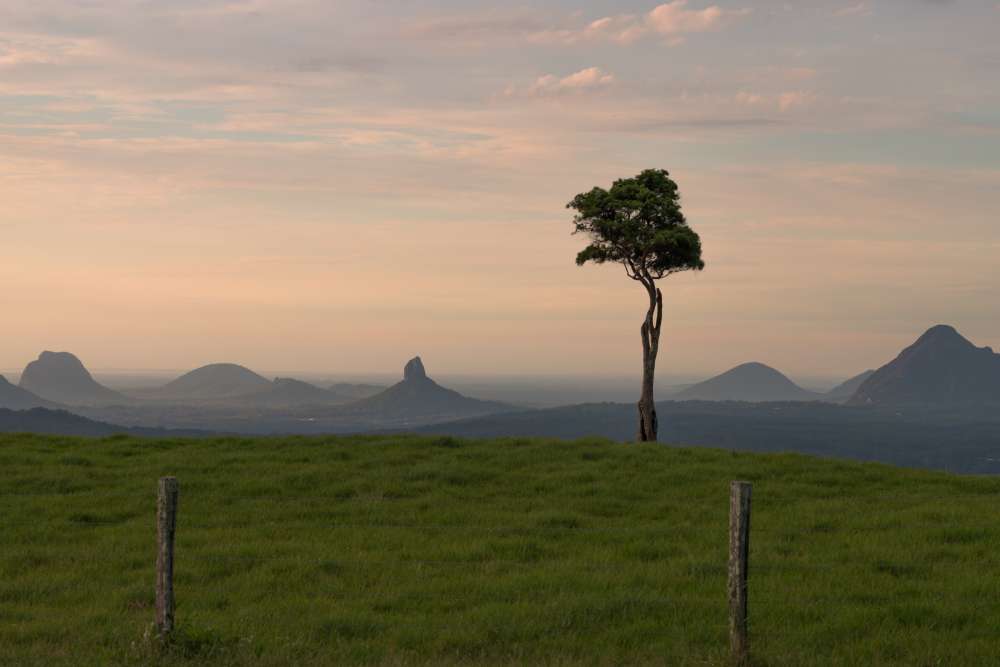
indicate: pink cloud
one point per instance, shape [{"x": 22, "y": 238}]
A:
[
  {"x": 671, "y": 19},
  {"x": 590, "y": 78},
  {"x": 674, "y": 18}
]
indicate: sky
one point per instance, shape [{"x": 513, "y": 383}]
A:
[{"x": 338, "y": 186}]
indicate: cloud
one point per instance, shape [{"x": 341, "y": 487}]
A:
[
  {"x": 590, "y": 78},
  {"x": 624, "y": 29},
  {"x": 671, "y": 20},
  {"x": 585, "y": 78}
]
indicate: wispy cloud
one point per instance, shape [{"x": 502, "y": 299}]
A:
[
  {"x": 671, "y": 20},
  {"x": 591, "y": 78}
]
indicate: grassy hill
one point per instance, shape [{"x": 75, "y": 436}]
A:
[{"x": 424, "y": 550}]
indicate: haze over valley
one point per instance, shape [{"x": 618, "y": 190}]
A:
[{"x": 935, "y": 404}]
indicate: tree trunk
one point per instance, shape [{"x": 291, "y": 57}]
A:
[
  {"x": 647, "y": 407},
  {"x": 650, "y": 333}
]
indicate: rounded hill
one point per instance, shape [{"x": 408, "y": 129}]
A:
[
  {"x": 216, "y": 381},
  {"x": 754, "y": 382}
]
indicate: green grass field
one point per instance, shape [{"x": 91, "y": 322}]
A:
[{"x": 406, "y": 550}]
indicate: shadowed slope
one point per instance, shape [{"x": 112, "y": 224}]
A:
[
  {"x": 288, "y": 392},
  {"x": 355, "y": 391},
  {"x": 846, "y": 389},
  {"x": 61, "y": 422},
  {"x": 15, "y": 398}
]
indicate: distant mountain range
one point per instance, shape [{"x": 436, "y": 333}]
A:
[
  {"x": 233, "y": 399},
  {"x": 238, "y": 385},
  {"x": 940, "y": 368},
  {"x": 935, "y": 405}
]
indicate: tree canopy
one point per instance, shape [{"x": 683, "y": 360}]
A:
[{"x": 638, "y": 222}]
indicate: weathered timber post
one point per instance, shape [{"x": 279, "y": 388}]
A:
[
  {"x": 166, "y": 524},
  {"x": 739, "y": 557}
]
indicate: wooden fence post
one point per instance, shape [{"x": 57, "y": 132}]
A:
[
  {"x": 739, "y": 556},
  {"x": 166, "y": 524}
]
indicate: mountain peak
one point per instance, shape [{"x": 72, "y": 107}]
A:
[
  {"x": 943, "y": 334},
  {"x": 62, "y": 377},
  {"x": 414, "y": 370},
  {"x": 753, "y": 366},
  {"x": 941, "y": 367}
]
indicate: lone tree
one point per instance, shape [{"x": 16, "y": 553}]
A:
[{"x": 638, "y": 223}]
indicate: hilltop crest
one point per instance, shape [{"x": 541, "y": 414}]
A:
[{"x": 753, "y": 382}]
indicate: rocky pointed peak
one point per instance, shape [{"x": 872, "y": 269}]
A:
[{"x": 414, "y": 370}]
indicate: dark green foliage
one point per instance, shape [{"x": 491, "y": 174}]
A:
[
  {"x": 638, "y": 223},
  {"x": 448, "y": 551}
]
